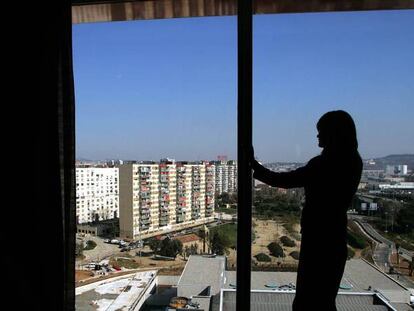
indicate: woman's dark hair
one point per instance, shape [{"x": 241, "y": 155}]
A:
[{"x": 339, "y": 132}]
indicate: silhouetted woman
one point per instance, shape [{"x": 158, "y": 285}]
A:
[{"x": 330, "y": 181}]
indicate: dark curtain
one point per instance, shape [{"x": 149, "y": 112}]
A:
[{"x": 37, "y": 237}]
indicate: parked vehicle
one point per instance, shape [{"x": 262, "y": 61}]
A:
[{"x": 114, "y": 241}]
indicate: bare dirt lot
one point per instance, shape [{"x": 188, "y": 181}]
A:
[
  {"x": 402, "y": 267},
  {"x": 266, "y": 232}
]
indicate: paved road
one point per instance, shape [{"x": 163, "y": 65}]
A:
[
  {"x": 101, "y": 251},
  {"x": 380, "y": 239},
  {"x": 383, "y": 250}
]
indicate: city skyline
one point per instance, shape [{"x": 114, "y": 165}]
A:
[{"x": 136, "y": 101}]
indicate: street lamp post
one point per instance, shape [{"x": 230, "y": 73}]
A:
[{"x": 386, "y": 224}]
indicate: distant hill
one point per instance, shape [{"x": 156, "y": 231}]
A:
[{"x": 393, "y": 159}]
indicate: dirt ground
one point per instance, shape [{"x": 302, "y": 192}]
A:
[
  {"x": 402, "y": 267},
  {"x": 267, "y": 231},
  {"x": 81, "y": 275}
]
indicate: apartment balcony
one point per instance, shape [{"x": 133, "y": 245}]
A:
[
  {"x": 163, "y": 223},
  {"x": 164, "y": 217},
  {"x": 145, "y": 210}
]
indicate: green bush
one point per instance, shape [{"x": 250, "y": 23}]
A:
[
  {"x": 170, "y": 248},
  {"x": 294, "y": 255},
  {"x": 276, "y": 250},
  {"x": 286, "y": 241},
  {"x": 296, "y": 236},
  {"x": 262, "y": 257},
  {"x": 89, "y": 245},
  {"x": 351, "y": 253},
  {"x": 355, "y": 240}
]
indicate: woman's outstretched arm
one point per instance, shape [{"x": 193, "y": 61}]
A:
[{"x": 293, "y": 179}]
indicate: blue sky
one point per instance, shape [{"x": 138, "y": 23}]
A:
[{"x": 151, "y": 89}]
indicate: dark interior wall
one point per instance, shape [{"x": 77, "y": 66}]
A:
[
  {"x": 37, "y": 240},
  {"x": 37, "y": 228}
]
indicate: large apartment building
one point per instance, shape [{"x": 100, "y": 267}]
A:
[
  {"x": 159, "y": 198},
  {"x": 225, "y": 176},
  {"x": 97, "y": 196}
]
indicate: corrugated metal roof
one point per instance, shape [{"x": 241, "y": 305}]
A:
[{"x": 273, "y": 301}]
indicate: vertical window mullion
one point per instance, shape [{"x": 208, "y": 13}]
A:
[{"x": 244, "y": 142}]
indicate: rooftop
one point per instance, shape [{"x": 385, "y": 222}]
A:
[
  {"x": 269, "y": 300},
  {"x": 114, "y": 294},
  {"x": 202, "y": 272}
]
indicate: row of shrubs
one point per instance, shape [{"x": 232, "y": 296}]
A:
[
  {"x": 354, "y": 240},
  {"x": 276, "y": 250},
  {"x": 262, "y": 257}
]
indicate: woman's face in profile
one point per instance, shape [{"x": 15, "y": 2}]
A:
[{"x": 321, "y": 139}]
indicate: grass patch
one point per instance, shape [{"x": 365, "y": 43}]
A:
[
  {"x": 355, "y": 240},
  {"x": 231, "y": 211},
  {"x": 228, "y": 232},
  {"x": 123, "y": 262}
]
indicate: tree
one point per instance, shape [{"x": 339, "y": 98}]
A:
[
  {"x": 155, "y": 245},
  {"x": 405, "y": 219},
  {"x": 203, "y": 234},
  {"x": 186, "y": 252},
  {"x": 262, "y": 257},
  {"x": 218, "y": 244},
  {"x": 79, "y": 249},
  {"x": 170, "y": 248},
  {"x": 286, "y": 241},
  {"x": 276, "y": 250},
  {"x": 193, "y": 249}
]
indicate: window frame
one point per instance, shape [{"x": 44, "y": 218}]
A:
[{"x": 244, "y": 9}]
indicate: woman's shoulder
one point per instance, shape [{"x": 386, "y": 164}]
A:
[{"x": 315, "y": 161}]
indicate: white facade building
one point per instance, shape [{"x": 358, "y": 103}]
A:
[
  {"x": 401, "y": 169},
  {"x": 225, "y": 176},
  {"x": 97, "y": 193}
]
